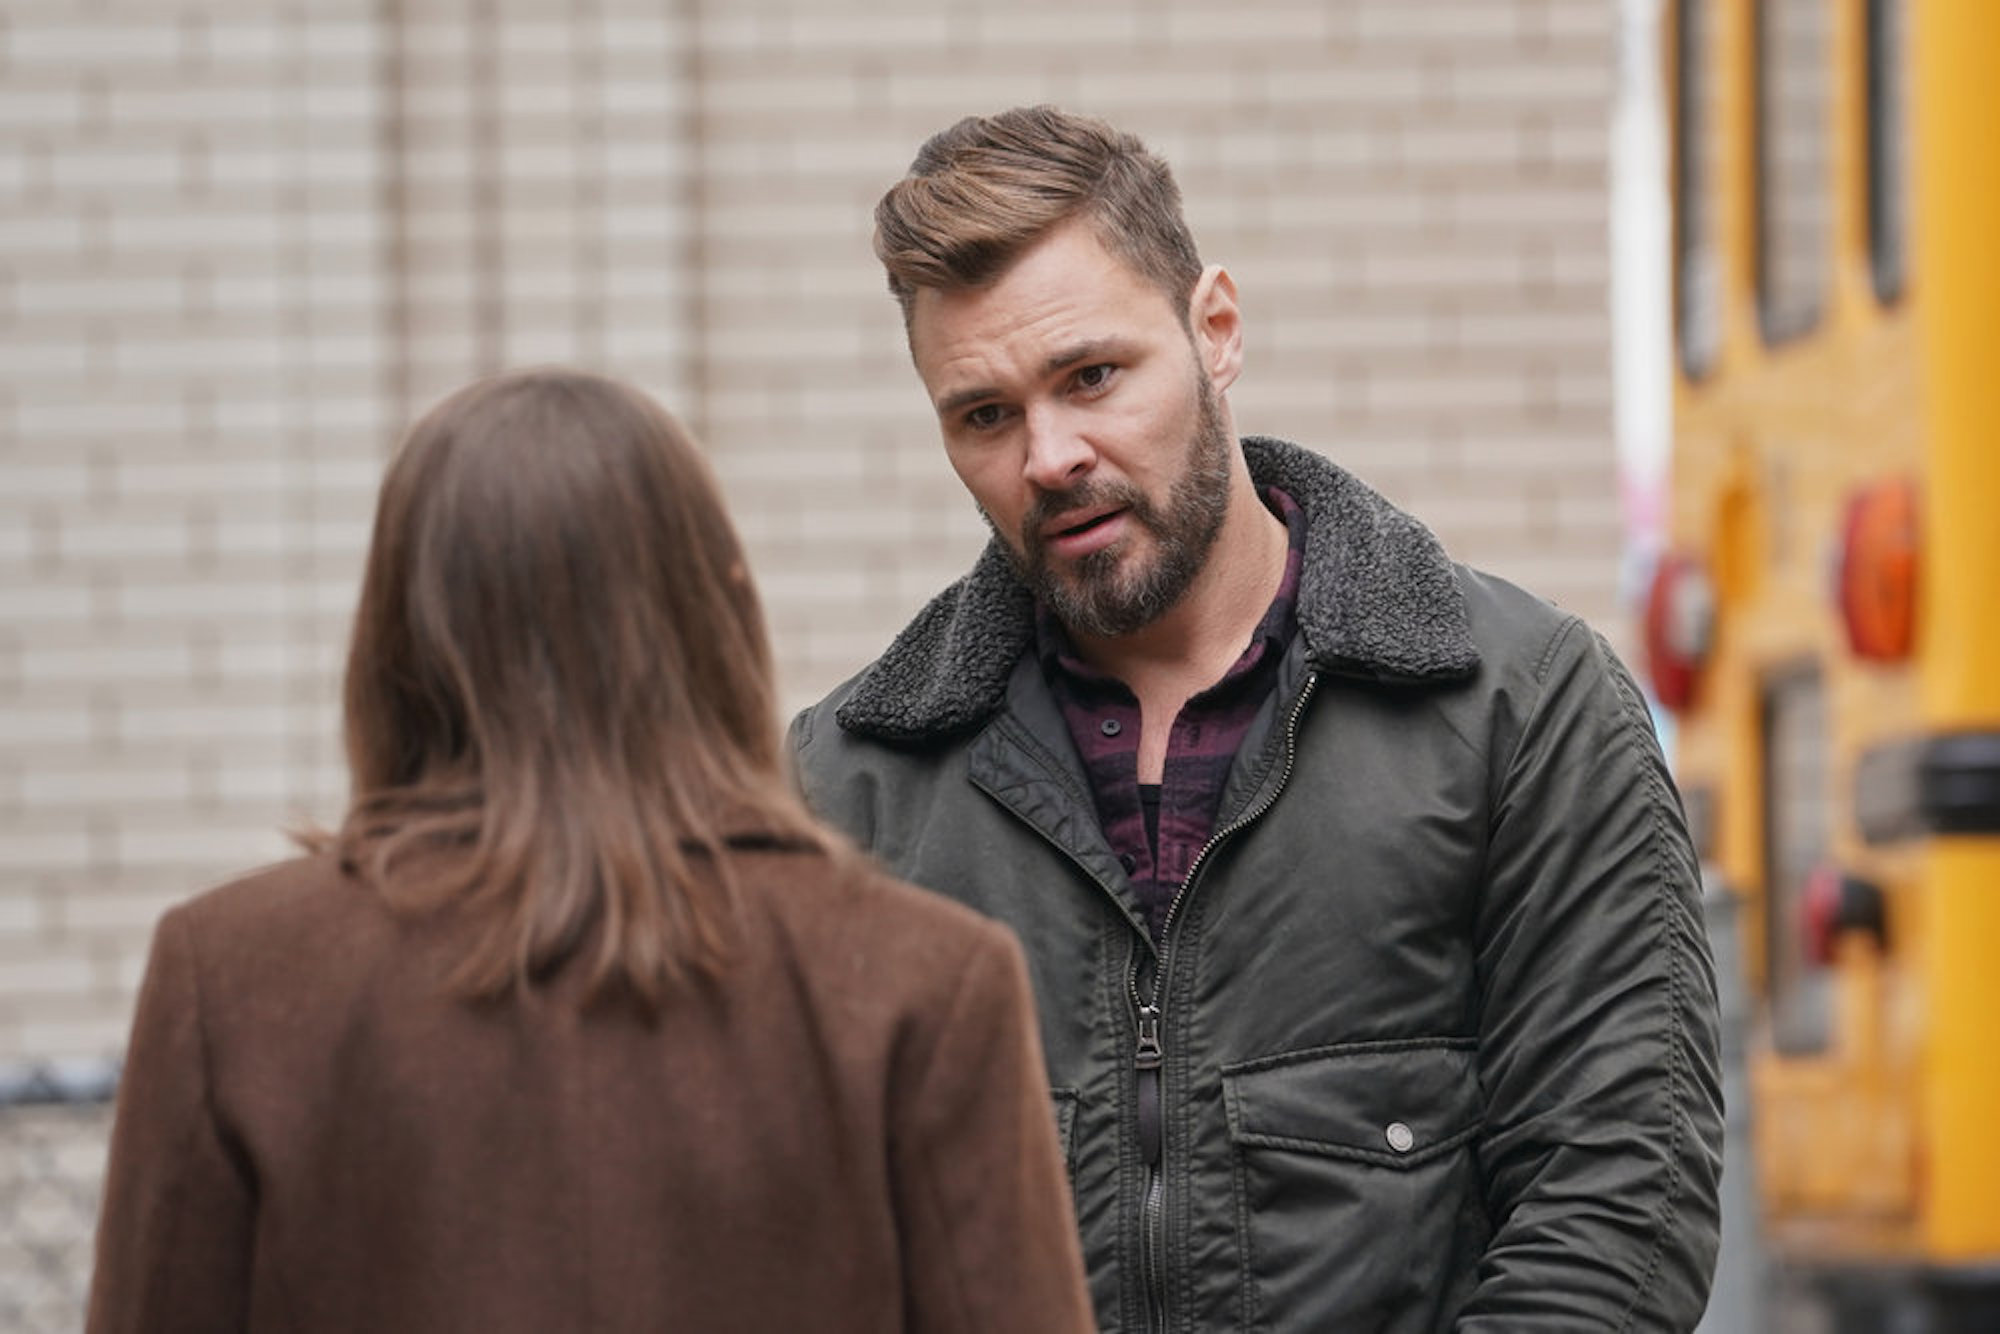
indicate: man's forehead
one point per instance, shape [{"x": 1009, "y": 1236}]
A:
[
  {"x": 1056, "y": 280},
  {"x": 963, "y": 347}
]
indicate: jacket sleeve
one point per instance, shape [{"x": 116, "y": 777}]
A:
[
  {"x": 989, "y": 1240},
  {"x": 174, "y": 1232},
  {"x": 1598, "y": 1030}
]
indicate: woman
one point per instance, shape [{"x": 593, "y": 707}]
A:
[{"x": 577, "y": 1022}]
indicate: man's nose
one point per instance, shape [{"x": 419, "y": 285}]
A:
[{"x": 1058, "y": 454}]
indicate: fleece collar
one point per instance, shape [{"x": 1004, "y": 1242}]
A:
[{"x": 1378, "y": 598}]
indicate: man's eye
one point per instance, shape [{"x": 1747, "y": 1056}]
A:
[
  {"x": 984, "y": 417},
  {"x": 1094, "y": 377}
]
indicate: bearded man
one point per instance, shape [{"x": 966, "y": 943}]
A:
[{"x": 1362, "y": 916}]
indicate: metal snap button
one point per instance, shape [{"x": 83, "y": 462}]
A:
[
  {"x": 1401, "y": 1138},
  {"x": 1110, "y": 727}
]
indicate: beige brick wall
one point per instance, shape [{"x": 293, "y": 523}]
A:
[
  {"x": 191, "y": 369},
  {"x": 240, "y": 243}
]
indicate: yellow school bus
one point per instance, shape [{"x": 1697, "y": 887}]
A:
[{"x": 1825, "y": 625}]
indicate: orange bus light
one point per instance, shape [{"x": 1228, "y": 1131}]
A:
[{"x": 1878, "y": 572}]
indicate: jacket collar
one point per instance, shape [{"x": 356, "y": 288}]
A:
[{"x": 1378, "y": 599}]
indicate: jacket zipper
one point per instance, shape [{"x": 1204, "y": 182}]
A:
[{"x": 1150, "y": 1054}]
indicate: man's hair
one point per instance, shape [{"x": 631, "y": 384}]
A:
[
  {"x": 559, "y": 695},
  {"x": 983, "y": 191}
]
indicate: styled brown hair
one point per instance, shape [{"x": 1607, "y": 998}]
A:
[
  {"x": 559, "y": 699},
  {"x": 983, "y": 191}
]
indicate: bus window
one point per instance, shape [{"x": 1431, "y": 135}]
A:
[
  {"x": 1697, "y": 272},
  {"x": 1796, "y": 802},
  {"x": 1794, "y": 223},
  {"x": 1888, "y": 146}
]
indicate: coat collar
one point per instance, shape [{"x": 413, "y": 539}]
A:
[{"x": 1378, "y": 599}]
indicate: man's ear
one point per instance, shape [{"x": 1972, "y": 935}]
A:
[{"x": 1216, "y": 323}]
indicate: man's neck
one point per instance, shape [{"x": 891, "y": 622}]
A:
[{"x": 1195, "y": 643}]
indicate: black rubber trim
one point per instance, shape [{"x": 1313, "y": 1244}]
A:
[{"x": 1929, "y": 785}]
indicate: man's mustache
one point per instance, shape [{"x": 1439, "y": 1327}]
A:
[{"x": 1052, "y": 505}]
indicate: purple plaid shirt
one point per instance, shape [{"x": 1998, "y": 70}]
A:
[{"x": 1103, "y": 719}]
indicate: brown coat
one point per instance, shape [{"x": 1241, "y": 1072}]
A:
[{"x": 851, "y": 1133}]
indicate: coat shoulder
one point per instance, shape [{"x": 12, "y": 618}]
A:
[
  {"x": 1508, "y": 619},
  {"x": 1523, "y": 637},
  {"x": 845, "y": 907},
  {"x": 300, "y": 899},
  {"x": 820, "y": 721}
]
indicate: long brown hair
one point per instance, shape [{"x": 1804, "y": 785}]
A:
[{"x": 559, "y": 699}]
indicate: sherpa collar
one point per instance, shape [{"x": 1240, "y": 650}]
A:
[{"x": 1378, "y": 598}]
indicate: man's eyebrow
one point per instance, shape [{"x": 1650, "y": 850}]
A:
[
  {"x": 1090, "y": 349},
  {"x": 1076, "y": 354},
  {"x": 951, "y": 404}
]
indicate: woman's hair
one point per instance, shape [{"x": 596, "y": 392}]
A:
[
  {"x": 559, "y": 699},
  {"x": 982, "y": 192}
]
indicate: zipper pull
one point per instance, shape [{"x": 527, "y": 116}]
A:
[
  {"x": 1150, "y": 1053},
  {"x": 1149, "y": 1060}
]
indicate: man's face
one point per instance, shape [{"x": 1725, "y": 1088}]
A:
[{"x": 1074, "y": 409}]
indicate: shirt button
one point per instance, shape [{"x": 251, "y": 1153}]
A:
[
  {"x": 1401, "y": 1138},
  {"x": 1110, "y": 727},
  {"x": 1128, "y": 861}
]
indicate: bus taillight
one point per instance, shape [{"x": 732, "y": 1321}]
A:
[
  {"x": 1679, "y": 626},
  {"x": 1877, "y": 589},
  {"x": 1834, "y": 905}
]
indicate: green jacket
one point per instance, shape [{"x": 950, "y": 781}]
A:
[{"x": 1433, "y": 1024}]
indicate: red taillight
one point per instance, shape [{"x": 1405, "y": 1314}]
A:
[
  {"x": 1877, "y": 589},
  {"x": 1680, "y": 625},
  {"x": 1833, "y": 905}
]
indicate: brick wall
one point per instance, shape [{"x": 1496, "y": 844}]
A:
[
  {"x": 191, "y": 389},
  {"x": 240, "y": 243}
]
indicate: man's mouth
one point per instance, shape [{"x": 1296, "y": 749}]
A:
[
  {"x": 1085, "y": 532},
  {"x": 1070, "y": 526}
]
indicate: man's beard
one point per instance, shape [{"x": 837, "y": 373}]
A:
[{"x": 1097, "y": 595}]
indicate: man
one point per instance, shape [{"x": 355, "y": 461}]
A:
[{"x": 1362, "y": 916}]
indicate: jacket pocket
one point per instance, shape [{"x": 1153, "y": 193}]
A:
[{"x": 1358, "y": 1203}]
